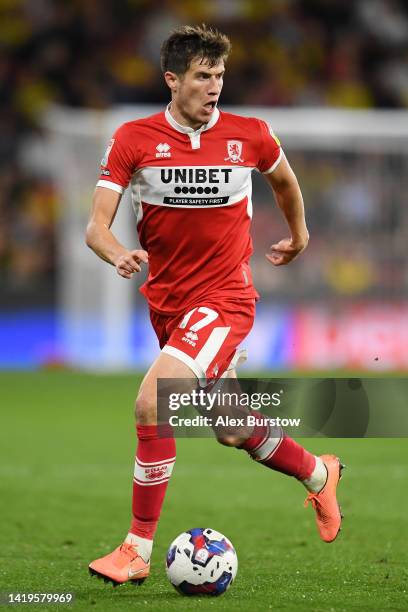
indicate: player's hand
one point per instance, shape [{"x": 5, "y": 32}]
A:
[
  {"x": 286, "y": 250},
  {"x": 129, "y": 262}
]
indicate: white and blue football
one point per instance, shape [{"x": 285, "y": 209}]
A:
[{"x": 201, "y": 562}]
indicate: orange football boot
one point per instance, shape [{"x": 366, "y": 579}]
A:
[
  {"x": 122, "y": 565},
  {"x": 328, "y": 513}
]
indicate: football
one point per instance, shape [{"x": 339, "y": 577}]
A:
[{"x": 201, "y": 562}]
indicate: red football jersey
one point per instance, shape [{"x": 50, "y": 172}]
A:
[{"x": 191, "y": 191}]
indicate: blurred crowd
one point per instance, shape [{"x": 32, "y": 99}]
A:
[
  {"x": 96, "y": 53},
  {"x": 357, "y": 223}
]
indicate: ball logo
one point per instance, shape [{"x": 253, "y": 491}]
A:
[
  {"x": 234, "y": 150},
  {"x": 201, "y": 555}
]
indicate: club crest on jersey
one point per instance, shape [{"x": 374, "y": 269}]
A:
[
  {"x": 234, "y": 150},
  {"x": 163, "y": 150}
]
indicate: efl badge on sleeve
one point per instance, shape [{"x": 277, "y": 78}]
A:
[
  {"x": 272, "y": 133},
  {"x": 104, "y": 160},
  {"x": 234, "y": 150}
]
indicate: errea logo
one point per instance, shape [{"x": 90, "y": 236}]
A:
[
  {"x": 163, "y": 150},
  {"x": 190, "y": 337}
]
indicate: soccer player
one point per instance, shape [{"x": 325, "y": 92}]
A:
[{"x": 189, "y": 168}]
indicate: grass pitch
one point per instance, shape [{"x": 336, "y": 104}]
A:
[{"x": 66, "y": 447}]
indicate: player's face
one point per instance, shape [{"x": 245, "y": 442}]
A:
[{"x": 196, "y": 92}]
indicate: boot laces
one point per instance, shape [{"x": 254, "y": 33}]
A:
[{"x": 130, "y": 550}]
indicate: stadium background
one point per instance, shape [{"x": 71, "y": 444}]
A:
[
  {"x": 349, "y": 289},
  {"x": 66, "y": 435}
]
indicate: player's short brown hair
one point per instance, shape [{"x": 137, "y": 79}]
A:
[{"x": 190, "y": 42}]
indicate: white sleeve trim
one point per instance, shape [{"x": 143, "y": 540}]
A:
[
  {"x": 277, "y": 162},
  {"x": 110, "y": 185}
]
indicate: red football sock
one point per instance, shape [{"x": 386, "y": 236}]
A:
[
  {"x": 155, "y": 457},
  {"x": 277, "y": 451}
]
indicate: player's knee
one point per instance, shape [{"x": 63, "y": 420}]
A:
[
  {"x": 230, "y": 440},
  {"x": 145, "y": 409}
]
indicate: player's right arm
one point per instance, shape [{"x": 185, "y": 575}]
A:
[
  {"x": 118, "y": 163},
  {"x": 101, "y": 239}
]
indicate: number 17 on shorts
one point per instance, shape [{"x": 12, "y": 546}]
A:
[{"x": 208, "y": 335}]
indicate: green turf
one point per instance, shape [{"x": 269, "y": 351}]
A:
[{"x": 66, "y": 450}]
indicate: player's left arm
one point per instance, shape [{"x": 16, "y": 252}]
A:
[{"x": 289, "y": 198}]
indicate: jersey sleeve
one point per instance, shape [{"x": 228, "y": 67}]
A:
[
  {"x": 119, "y": 161},
  {"x": 270, "y": 152}
]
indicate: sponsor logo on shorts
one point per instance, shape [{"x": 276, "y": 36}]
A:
[{"x": 190, "y": 337}]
